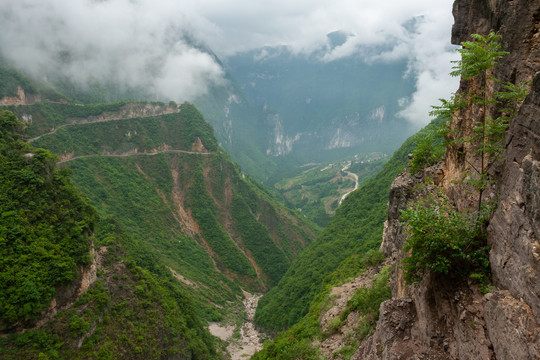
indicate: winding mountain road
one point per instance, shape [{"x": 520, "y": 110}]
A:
[
  {"x": 107, "y": 116},
  {"x": 354, "y": 176},
  {"x": 170, "y": 151}
]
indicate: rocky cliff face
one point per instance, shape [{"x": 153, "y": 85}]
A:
[
  {"x": 21, "y": 98},
  {"x": 441, "y": 320}
]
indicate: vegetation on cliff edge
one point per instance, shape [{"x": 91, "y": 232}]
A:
[
  {"x": 355, "y": 229},
  {"x": 443, "y": 238}
]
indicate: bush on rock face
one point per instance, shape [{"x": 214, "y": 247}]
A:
[{"x": 444, "y": 240}]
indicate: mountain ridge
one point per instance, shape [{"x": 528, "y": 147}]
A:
[
  {"x": 186, "y": 212},
  {"x": 457, "y": 312},
  {"x": 69, "y": 283}
]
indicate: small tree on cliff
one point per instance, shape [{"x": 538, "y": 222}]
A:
[
  {"x": 442, "y": 238},
  {"x": 478, "y": 58}
]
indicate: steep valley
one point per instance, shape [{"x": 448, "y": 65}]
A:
[
  {"x": 482, "y": 306},
  {"x": 183, "y": 206},
  {"x": 127, "y": 231},
  {"x": 316, "y": 190},
  {"x": 74, "y": 284},
  {"x": 207, "y": 221}
]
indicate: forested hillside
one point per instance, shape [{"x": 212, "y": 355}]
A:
[
  {"x": 356, "y": 228},
  {"x": 167, "y": 213},
  {"x": 76, "y": 281},
  {"x": 158, "y": 169}
]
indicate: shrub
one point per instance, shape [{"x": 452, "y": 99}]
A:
[
  {"x": 444, "y": 240},
  {"x": 428, "y": 152}
]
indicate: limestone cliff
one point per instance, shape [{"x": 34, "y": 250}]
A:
[{"x": 441, "y": 320}]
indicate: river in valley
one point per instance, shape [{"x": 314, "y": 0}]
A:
[{"x": 245, "y": 341}]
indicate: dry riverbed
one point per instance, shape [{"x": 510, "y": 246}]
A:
[{"x": 248, "y": 340}]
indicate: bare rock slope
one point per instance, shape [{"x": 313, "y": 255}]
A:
[{"x": 442, "y": 320}]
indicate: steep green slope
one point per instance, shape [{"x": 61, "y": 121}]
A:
[
  {"x": 300, "y": 341},
  {"x": 273, "y": 114},
  {"x": 74, "y": 302},
  {"x": 355, "y": 229},
  {"x": 168, "y": 183},
  {"x": 129, "y": 312},
  {"x": 45, "y": 226},
  {"x": 236, "y": 122}
]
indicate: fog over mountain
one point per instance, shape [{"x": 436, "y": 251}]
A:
[{"x": 159, "y": 45}]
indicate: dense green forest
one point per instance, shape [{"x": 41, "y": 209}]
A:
[
  {"x": 45, "y": 229},
  {"x": 169, "y": 184},
  {"x": 355, "y": 229},
  {"x": 65, "y": 128},
  {"x": 169, "y": 214},
  {"x": 47, "y": 236}
]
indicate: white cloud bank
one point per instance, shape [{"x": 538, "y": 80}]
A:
[
  {"x": 134, "y": 43},
  {"x": 142, "y": 42}
]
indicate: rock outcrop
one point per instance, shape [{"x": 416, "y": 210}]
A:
[
  {"x": 22, "y": 98},
  {"x": 441, "y": 319}
]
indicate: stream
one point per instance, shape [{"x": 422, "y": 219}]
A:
[{"x": 249, "y": 341}]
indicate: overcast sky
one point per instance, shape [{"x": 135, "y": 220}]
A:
[{"x": 127, "y": 40}]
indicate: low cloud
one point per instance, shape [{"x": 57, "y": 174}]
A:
[
  {"x": 150, "y": 44},
  {"x": 430, "y": 62},
  {"x": 132, "y": 43},
  {"x": 392, "y": 30}
]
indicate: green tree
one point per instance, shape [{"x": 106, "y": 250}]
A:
[
  {"x": 478, "y": 58},
  {"x": 429, "y": 151},
  {"x": 442, "y": 238}
]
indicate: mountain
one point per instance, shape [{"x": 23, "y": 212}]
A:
[
  {"x": 69, "y": 277},
  {"x": 179, "y": 226},
  {"x": 356, "y": 228},
  {"x": 261, "y": 106},
  {"x": 159, "y": 232},
  {"x": 461, "y": 276},
  {"x": 317, "y": 110},
  {"x": 239, "y": 129},
  {"x": 282, "y": 113},
  {"x": 273, "y": 110},
  {"x": 158, "y": 169}
]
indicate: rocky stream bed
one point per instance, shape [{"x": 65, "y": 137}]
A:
[{"x": 247, "y": 340}]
